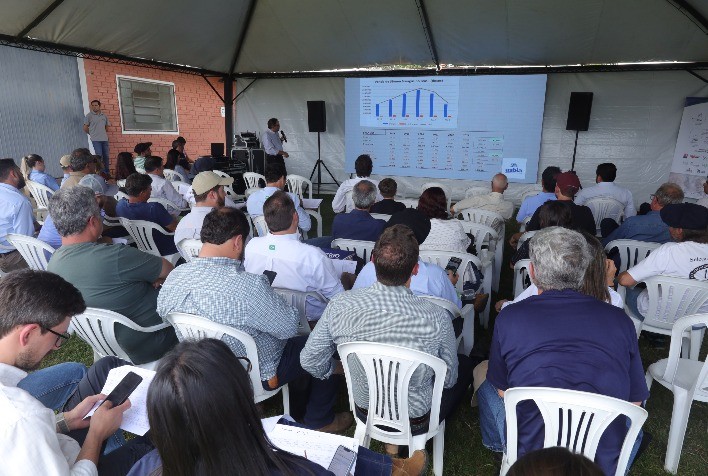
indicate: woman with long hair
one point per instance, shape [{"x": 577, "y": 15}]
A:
[
  {"x": 203, "y": 421},
  {"x": 445, "y": 234},
  {"x": 551, "y": 213},
  {"x": 179, "y": 165},
  {"x": 124, "y": 165}
]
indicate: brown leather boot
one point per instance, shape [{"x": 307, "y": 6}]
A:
[
  {"x": 341, "y": 422},
  {"x": 416, "y": 465}
]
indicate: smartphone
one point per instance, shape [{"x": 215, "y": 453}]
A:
[
  {"x": 123, "y": 390},
  {"x": 342, "y": 461},
  {"x": 453, "y": 264},
  {"x": 270, "y": 275}
]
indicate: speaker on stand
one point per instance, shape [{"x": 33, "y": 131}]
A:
[
  {"x": 317, "y": 122},
  {"x": 579, "y": 110}
]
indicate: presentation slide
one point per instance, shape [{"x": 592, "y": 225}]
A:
[{"x": 466, "y": 128}]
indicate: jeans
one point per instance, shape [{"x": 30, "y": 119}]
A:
[
  {"x": 54, "y": 385},
  {"x": 630, "y": 300},
  {"x": 101, "y": 148}
]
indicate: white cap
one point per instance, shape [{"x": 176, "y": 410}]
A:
[{"x": 94, "y": 182}]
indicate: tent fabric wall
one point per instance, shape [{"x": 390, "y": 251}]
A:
[{"x": 634, "y": 123}]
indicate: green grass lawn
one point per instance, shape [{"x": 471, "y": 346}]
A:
[{"x": 464, "y": 453}]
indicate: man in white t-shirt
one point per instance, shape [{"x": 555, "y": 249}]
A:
[
  {"x": 687, "y": 257},
  {"x": 605, "y": 179},
  {"x": 363, "y": 167}
]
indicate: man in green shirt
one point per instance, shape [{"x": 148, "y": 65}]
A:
[{"x": 114, "y": 277}]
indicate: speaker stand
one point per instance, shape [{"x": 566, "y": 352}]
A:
[
  {"x": 575, "y": 148},
  {"x": 318, "y": 166}
]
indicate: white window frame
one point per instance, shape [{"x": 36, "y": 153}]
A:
[{"x": 152, "y": 81}]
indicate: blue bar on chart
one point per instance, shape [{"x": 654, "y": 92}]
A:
[
  {"x": 445, "y": 110},
  {"x": 403, "y": 110},
  {"x": 417, "y": 103},
  {"x": 377, "y": 110},
  {"x": 431, "y": 104},
  {"x": 390, "y": 108}
]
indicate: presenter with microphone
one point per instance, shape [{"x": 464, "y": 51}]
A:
[{"x": 273, "y": 144}]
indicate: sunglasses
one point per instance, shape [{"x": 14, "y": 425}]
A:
[{"x": 61, "y": 338}]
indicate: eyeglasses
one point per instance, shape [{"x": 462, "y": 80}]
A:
[
  {"x": 61, "y": 338},
  {"x": 246, "y": 363}
]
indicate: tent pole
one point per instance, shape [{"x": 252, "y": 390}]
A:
[{"x": 229, "y": 113}]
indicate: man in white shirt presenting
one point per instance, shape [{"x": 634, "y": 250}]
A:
[
  {"x": 273, "y": 144},
  {"x": 605, "y": 179},
  {"x": 363, "y": 167}
]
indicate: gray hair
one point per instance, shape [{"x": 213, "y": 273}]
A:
[
  {"x": 560, "y": 258},
  {"x": 669, "y": 193},
  {"x": 364, "y": 194},
  {"x": 71, "y": 208}
]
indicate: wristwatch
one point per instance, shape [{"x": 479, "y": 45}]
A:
[{"x": 62, "y": 426}]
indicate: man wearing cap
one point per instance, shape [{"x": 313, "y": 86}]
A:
[
  {"x": 567, "y": 185},
  {"x": 65, "y": 163},
  {"x": 95, "y": 124},
  {"x": 82, "y": 163},
  {"x": 15, "y": 214},
  {"x": 686, "y": 257},
  {"x": 605, "y": 175},
  {"x": 208, "y": 190},
  {"x": 162, "y": 188},
  {"x": 275, "y": 181},
  {"x": 142, "y": 150}
]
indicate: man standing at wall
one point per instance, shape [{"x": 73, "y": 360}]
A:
[
  {"x": 95, "y": 124},
  {"x": 272, "y": 144}
]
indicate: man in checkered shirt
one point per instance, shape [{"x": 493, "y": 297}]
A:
[{"x": 215, "y": 286}]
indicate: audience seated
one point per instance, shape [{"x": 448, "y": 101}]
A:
[
  {"x": 648, "y": 227},
  {"x": 551, "y": 213},
  {"x": 605, "y": 179},
  {"x": 298, "y": 266},
  {"x": 15, "y": 214},
  {"x": 36, "y": 309},
  {"x": 208, "y": 190},
  {"x": 445, "y": 234},
  {"x": 82, "y": 163},
  {"x": 493, "y": 201},
  {"x": 533, "y": 339},
  {"x": 687, "y": 257},
  {"x": 162, "y": 188},
  {"x": 65, "y": 163},
  {"x": 275, "y": 181},
  {"x": 173, "y": 162},
  {"x": 124, "y": 165},
  {"x": 358, "y": 224},
  {"x": 114, "y": 277},
  {"x": 388, "y": 206},
  {"x": 531, "y": 204},
  {"x": 215, "y": 286},
  {"x": 183, "y": 165},
  {"x": 554, "y": 461},
  {"x": 363, "y": 167},
  {"x": 35, "y": 164},
  {"x": 142, "y": 151},
  {"x": 137, "y": 207},
  {"x": 221, "y": 397}
]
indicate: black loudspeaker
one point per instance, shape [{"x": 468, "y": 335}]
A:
[
  {"x": 579, "y": 112},
  {"x": 316, "y": 116}
]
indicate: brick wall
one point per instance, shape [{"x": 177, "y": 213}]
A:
[{"x": 198, "y": 108}]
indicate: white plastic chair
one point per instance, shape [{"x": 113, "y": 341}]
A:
[
  {"x": 381, "y": 216},
  {"x": 493, "y": 220},
  {"x": 141, "y": 232},
  {"x": 120, "y": 196},
  {"x": 189, "y": 248},
  {"x": 362, "y": 248},
  {"x": 260, "y": 225},
  {"x": 688, "y": 381},
  {"x": 605, "y": 207},
  {"x": 524, "y": 223},
  {"x": 446, "y": 189},
  {"x": 97, "y": 328},
  {"x": 172, "y": 176},
  {"x": 389, "y": 369},
  {"x": 489, "y": 249},
  {"x": 521, "y": 272},
  {"x": 190, "y": 326},
  {"x": 297, "y": 185},
  {"x": 252, "y": 179},
  {"x": 410, "y": 202},
  {"x": 121, "y": 182},
  {"x": 41, "y": 194},
  {"x": 140, "y": 170},
  {"x": 298, "y": 300},
  {"x": 34, "y": 251},
  {"x": 466, "y": 337},
  {"x": 525, "y": 237},
  {"x": 227, "y": 188},
  {"x": 476, "y": 191},
  {"x": 631, "y": 251},
  {"x": 574, "y": 420},
  {"x": 184, "y": 189},
  {"x": 169, "y": 206},
  {"x": 671, "y": 299}
]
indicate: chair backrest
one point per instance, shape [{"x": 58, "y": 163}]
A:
[
  {"x": 169, "y": 206},
  {"x": 522, "y": 226},
  {"x": 605, "y": 207},
  {"x": 189, "y": 248},
  {"x": 184, "y": 189},
  {"x": 121, "y": 182},
  {"x": 683, "y": 324},
  {"x": 227, "y": 188},
  {"x": 40, "y": 193},
  {"x": 484, "y": 235},
  {"x": 446, "y": 189},
  {"x": 190, "y": 326},
  {"x": 141, "y": 232},
  {"x": 120, "y": 196},
  {"x": 362, "y": 249},
  {"x": 441, "y": 258},
  {"x": 140, "y": 170},
  {"x": 574, "y": 420},
  {"x": 297, "y": 185},
  {"x": 631, "y": 252},
  {"x": 525, "y": 237},
  {"x": 410, "y": 202},
  {"x": 484, "y": 217},
  {"x": 260, "y": 225},
  {"x": 672, "y": 298},
  {"x": 252, "y": 179},
  {"x": 171, "y": 175},
  {"x": 475, "y": 191},
  {"x": 34, "y": 251},
  {"x": 389, "y": 369},
  {"x": 298, "y": 300},
  {"x": 521, "y": 272},
  {"x": 451, "y": 308},
  {"x": 381, "y": 216}
]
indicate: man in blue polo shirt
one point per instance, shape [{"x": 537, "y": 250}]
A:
[
  {"x": 560, "y": 338},
  {"x": 358, "y": 224},
  {"x": 531, "y": 204}
]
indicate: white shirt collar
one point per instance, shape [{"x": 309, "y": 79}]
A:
[
  {"x": 10, "y": 376},
  {"x": 289, "y": 236}
]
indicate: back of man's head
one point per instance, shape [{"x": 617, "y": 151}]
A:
[
  {"x": 80, "y": 158},
  {"x": 71, "y": 208},
  {"x": 668, "y": 193},
  {"x": 548, "y": 178},
  {"x": 274, "y": 172},
  {"x": 363, "y": 165},
  {"x": 7, "y": 166},
  {"x": 559, "y": 257},
  {"x": 395, "y": 255},
  {"x": 364, "y": 194},
  {"x": 499, "y": 183},
  {"x": 37, "y": 297},
  {"x": 223, "y": 224},
  {"x": 388, "y": 188},
  {"x": 278, "y": 211},
  {"x": 137, "y": 183},
  {"x": 152, "y": 163},
  {"x": 607, "y": 172}
]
